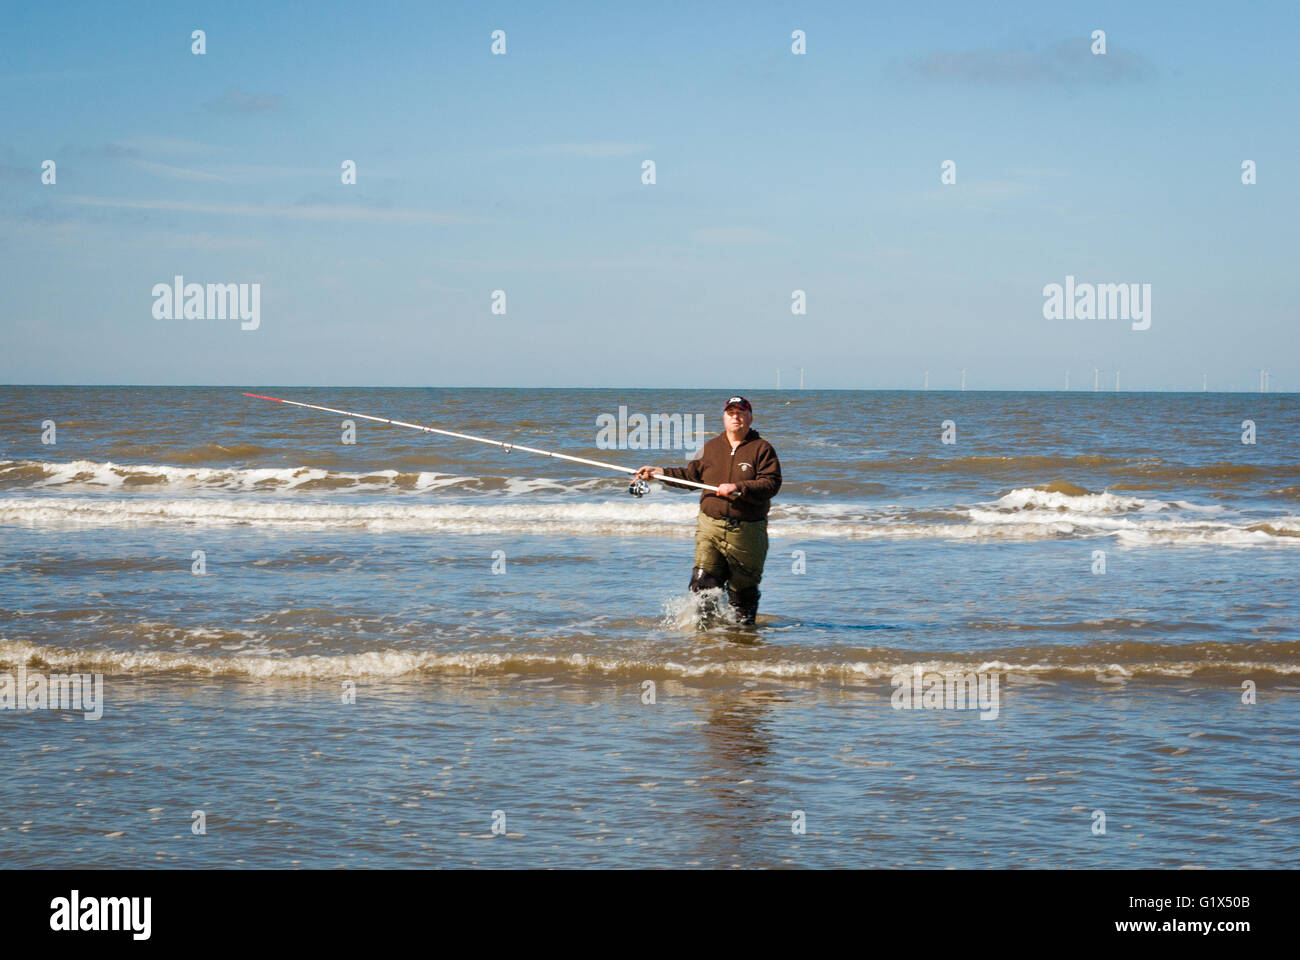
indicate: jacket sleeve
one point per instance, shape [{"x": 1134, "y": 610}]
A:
[
  {"x": 767, "y": 476},
  {"x": 691, "y": 471}
]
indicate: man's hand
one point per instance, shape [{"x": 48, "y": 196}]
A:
[
  {"x": 645, "y": 473},
  {"x": 728, "y": 490}
]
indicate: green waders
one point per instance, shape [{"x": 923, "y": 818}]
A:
[{"x": 732, "y": 552}]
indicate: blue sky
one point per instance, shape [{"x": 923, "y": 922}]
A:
[{"x": 775, "y": 172}]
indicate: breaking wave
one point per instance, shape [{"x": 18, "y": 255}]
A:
[
  {"x": 1157, "y": 661},
  {"x": 1020, "y": 515},
  {"x": 103, "y": 493},
  {"x": 106, "y": 475}
]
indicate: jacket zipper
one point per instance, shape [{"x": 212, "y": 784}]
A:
[
  {"x": 731, "y": 470},
  {"x": 731, "y": 467}
]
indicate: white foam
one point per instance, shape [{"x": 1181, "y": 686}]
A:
[
  {"x": 664, "y": 517},
  {"x": 1224, "y": 535},
  {"x": 108, "y": 475},
  {"x": 682, "y": 611},
  {"x": 465, "y": 518},
  {"x": 393, "y": 663},
  {"x": 1028, "y": 498}
]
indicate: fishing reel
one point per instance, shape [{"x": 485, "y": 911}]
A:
[{"x": 638, "y": 487}]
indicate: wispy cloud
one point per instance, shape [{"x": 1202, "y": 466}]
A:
[
  {"x": 1005, "y": 194},
  {"x": 235, "y": 100},
  {"x": 586, "y": 149},
  {"x": 39, "y": 229},
  {"x": 46, "y": 75},
  {"x": 350, "y": 213},
  {"x": 170, "y": 145},
  {"x": 995, "y": 189},
  {"x": 249, "y": 172},
  {"x": 1037, "y": 172},
  {"x": 1066, "y": 63},
  {"x": 177, "y": 173},
  {"x": 107, "y": 151},
  {"x": 728, "y": 236},
  {"x": 205, "y": 241},
  {"x": 134, "y": 151}
]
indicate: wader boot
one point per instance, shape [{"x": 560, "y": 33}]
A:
[
  {"x": 745, "y": 603},
  {"x": 702, "y": 580}
]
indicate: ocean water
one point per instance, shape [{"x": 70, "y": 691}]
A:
[{"x": 414, "y": 650}]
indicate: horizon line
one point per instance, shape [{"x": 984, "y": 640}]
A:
[{"x": 381, "y": 386}]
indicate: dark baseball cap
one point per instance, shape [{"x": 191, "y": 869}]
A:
[{"x": 737, "y": 402}]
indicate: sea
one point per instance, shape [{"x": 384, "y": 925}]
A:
[{"x": 997, "y": 630}]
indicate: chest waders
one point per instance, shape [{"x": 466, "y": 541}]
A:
[{"x": 730, "y": 552}]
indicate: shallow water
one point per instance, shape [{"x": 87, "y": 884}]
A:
[
  {"x": 521, "y": 690},
  {"x": 585, "y": 774}
]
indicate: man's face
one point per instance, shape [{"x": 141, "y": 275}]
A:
[{"x": 737, "y": 419}]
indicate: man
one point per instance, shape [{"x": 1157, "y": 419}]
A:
[{"x": 731, "y": 531}]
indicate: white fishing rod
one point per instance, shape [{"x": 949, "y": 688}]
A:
[{"x": 637, "y": 489}]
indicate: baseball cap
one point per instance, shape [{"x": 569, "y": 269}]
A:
[{"x": 738, "y": 402}]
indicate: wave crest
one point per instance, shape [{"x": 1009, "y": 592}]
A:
[{"x": 392, "y": 664}]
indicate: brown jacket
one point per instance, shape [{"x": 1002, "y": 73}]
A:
[{"x": 753, "y": 467}]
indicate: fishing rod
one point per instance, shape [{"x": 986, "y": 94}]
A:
[{"x": 638, "y": 488}]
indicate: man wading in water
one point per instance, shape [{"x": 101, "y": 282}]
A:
[{"x": 731, "y": 532}]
